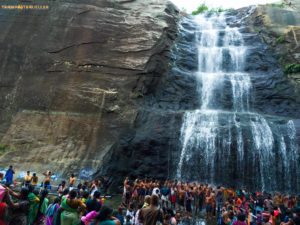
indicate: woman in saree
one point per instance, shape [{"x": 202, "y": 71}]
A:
[
  {"x": 105, "y": 217},
  {"x": 19, "y": 210},
  {"x": 52, "y": 211},
  {"x": 70, "y": 206},
  {"x": 42, "y": 209},
  {"x": 34, "y": 202}
]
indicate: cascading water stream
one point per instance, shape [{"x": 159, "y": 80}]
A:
[{"x": 220, "y": 141}]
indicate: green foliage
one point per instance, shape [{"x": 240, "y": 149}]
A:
[
  {"x": 204, "y": 8},
  {"x": 292, "y": 68},
  {"x": 201, "y": 9},
  {"x": 216, "y": 10},
  {"x": 5, "y": 148},
  {"x": 280, "y": 39}
]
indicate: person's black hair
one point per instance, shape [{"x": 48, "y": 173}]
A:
[
  {"x": 131, "y": 205},
  {"x": 231, "y": 215},
  {"x": 167, "y": 217},
  {"x": 66, "y": 191},
  {"x": 56, "y": 200},
  {"x": 34, "y": 174},
  {"x": 128, "y": 217},
  {"x": 63, "y": 182},
  {"x": 44, "y": 194},
  {"x": 30, "y": 188},
  {"x": 97, "y": 194},
  {"x": 241, "y": 217},
  {"x": 36, "y": 192},
  {"x": 154, "y": 200},
  {"x": 24, "y": 193},
  {"x": 104, "y": 213},
  {"x": 72, "y": 194},
  {"x": 171, "y": 212},
  {"x": 85, "y": 194},
  {"x": 140, "y": 205}
]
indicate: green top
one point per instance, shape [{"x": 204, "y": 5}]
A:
[
  {"x": 66, "y": 207},
  {"x": 44, "y": 206},
  {"x": 33, "y": 207}
]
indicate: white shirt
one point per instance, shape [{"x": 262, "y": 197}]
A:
[{"x": 156, "y": 191}]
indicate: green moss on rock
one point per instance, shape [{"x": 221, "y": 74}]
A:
[
  {"x": 280, "y": 39},
  {"x": 5, "y": 148},
  {"x": 292, "y": 68}
]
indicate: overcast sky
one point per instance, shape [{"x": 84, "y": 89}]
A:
[{"x": 191, "y": 5}]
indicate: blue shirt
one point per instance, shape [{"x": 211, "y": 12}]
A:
[{"x": 9, "y": 175}]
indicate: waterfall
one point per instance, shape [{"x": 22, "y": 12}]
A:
[{"x": 225, "y": 140}]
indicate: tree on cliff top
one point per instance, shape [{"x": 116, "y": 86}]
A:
[{"x": 204, "y": 8}]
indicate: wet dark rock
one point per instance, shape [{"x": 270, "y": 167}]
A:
[{"x": 74, "y": 78}]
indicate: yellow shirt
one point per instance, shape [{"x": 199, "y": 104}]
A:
[
  {"x": 34, "y": 180},
  {"x": 28, "y": 178}
]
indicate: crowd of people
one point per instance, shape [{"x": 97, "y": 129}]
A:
[
  {"x": 144, "y": 202},
  {"x": 219, "y": 205}
]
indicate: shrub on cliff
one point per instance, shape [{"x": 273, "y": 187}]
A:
[
  {"x": 204, "y": 8},
  {"x": 201, "y": 9}
]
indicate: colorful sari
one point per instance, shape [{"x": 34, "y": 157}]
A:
[
  {"x": 33, "y": 208},
  {"x": 41, "y": 216},
  {"x": 3, "y": 208},
  {"x": 69, "y": 216},
  {"x": 50, "y": 213}
]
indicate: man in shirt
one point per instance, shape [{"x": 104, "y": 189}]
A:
[
  {"x": 35, "y": 179},
  {"x": 27, "y": 179},
  {"x": 152, "y": 214},
  {"x": 9, "y": 175}
]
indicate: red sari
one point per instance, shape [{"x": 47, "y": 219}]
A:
[{"x": 2, "y": 212}]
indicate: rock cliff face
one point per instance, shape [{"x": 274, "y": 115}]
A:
[
  {"x": 277, "y": 90},
  {"x": 278, "y": 31},
  {"x": 73, "y": 80}
]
